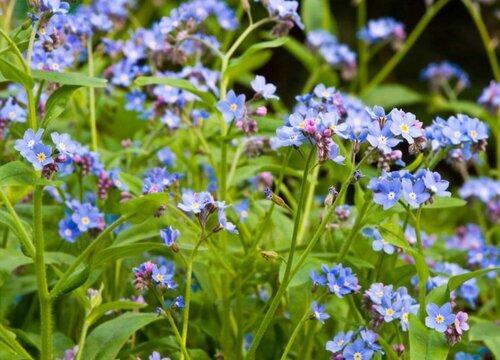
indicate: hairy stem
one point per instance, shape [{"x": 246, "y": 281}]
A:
[{"x": 41, "y": 277}]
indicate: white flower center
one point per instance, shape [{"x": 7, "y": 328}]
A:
[
  {"x": 391, "y": 195},
  {"x": 12, "y": 115},
  {"x": 31, "y": 143},
  {"x": 457, "y": 134},
  {"x": 382, "y": 139},
  {"x": 412, "y": 196},
  {"x": 85, "y": 220}
]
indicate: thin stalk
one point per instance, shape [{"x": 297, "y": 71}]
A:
[
  {"x": 81, "y": 341},
  {"x": 93, "y": 125},
  {"x": 187, "y": 296},
  {"x": 288, "y": 269},
  {"x": 170, "y": 319},
  {"x": 357, "y": 225},
  {"x": 31, "y": 43},
  {"x": 41, "y": 277},
  {"x": 309, "y": 203},
  {"x": 412, "y": 38},
  {"x": 289, "y": 344},
  {"x": 24, "y": 237},
  {"x": 96, "y": 242},
  {"x": 474, "y": 11},
  {"x": 420, "y": 248}
]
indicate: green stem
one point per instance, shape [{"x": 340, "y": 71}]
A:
[
  {"x": 83, "y": 336},
  {"x": 96, "y": 242},
  {"x": 10, "y": 339},
  {"x": 412, "y": 38},
  {"x": 31, "y": 43},
  {"x": 288, "y": 269},
  {"x": 187, "y": 297},
  {"x": 289, "y": 344},
  {"x": 309, "y": 203},
  {"x": 474, "y": 11},
  {"x": 41, "y": 276},
  {"x": 23, "y": 235},
  {"x": 93, "y": 125},
  {"x": 357, "y": 225},
  {"x": 421, "y": 281}
]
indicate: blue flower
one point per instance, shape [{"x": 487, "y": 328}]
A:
[
  {"x": 319, "y": 312},
  {"x": 12, "y": 111},
  {"x": 381, "y": 138},
  {"x": 334, "y": 153},
  {"x": 166, "y": 156},
  {"x": 383, "y": 29},
  {"x": 232, "y": 107},
  {"x": 227, "y": 225},
  {"x": 378, "y": 243},
  {"x": 28, "y": 142},
  {"x": 386, "y": 192},
  {"x": 406, "y": 125},
  {"x": 163, "y": 277},
  {"x": 169, "y": 235},
  {"x": 357, "y": 351},
  {"x": 341, "y": 281},
  {"x": 241, "y": 209},
  {"x": 40, "y": 156},
  {"x": 195, "y": 202},
  {"x": 86, "y": 216},
  {"x": 370, "y": 338},
  {"x": 414, "y": 193},
  {"x": 55, "y": 6},
  {"x": 265, "y": 90},
  {"x": 433, "y": 182},
  {"x": 439, "y": 318},
  {"x": 285, "y": 10},
  {"x": 135, "y": 101},
  {"x": 339, "y": 342},
  {"x": 288, "y": 136},
  {"x": 63, "y": 143},
  {"x": 68, "y": 230}
]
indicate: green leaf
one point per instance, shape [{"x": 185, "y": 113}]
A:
[
  {"x": 57, "y": 102},
  {"x": 444, "y": 203},
  {"x": 143, "y": 207},
  {"x": 389, "y": 95},
  {"x": 246, "y": 56},
  {"x": 106, "y": 340},
  {"x": 457, "y": 280},
  {"x": 11, "y": 72},
  {"x": 133, "y": 183},
  {"x": 316, "y": 14},
  {"x": 303, "y": 275},
  {"x": 102, "y": 309},
  {"x": 16, "y": 173},
  {"x": 75, "y": 280},
  {"x": 302, "y": 54},
  {"x": 426, "y": 344},
  {"x": 487, "y": 332},
  {"x": 68, "y": 78},
  {"x": 183, "y": 84},
  {"x": 113, "y": 253}
]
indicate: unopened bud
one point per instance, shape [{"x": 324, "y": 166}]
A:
[
  {"x": 261, "y": 111},
  {"x": 269, "y": 255},
  {"x": 332, "y": 195}
]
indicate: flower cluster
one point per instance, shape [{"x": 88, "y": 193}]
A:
[
  {"x": 386, "y": 304},
  {"x": 490, "y": 97},
  {"x": 80, "y": 218},
  {"x": 157, "y": 180},
  {"x": 440, "y": 76},
  {"x": 414, "y": 189},
  {"x": 336, "y": 54},
  {"x": 461, "y": 135},
  {"x": 351, "y": 346},
  {"x": 383, "y": 30},
  {"x": 338, "y": 280},
  {"x": 285, "y": 13},
  {"x": 443, "y": 320},
  {"x": 203, "y": 205}
]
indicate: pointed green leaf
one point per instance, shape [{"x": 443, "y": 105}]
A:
[
  {"x": 426, "y": 344},
  {"x": 68, "y": 78}
]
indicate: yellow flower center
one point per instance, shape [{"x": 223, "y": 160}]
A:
[
  {"x": 439, "y": 319},
  {"x": 404, "y": 128},
  {"x": 85, "y": 220},
  {"x": 389, "y": 312},
  {"x": 473, "y": 134},
  {"x": 160, "y": 278},
  {"x": 42, "y": 31},
  {"x": 233, "y": 107},
  {"x": 41, "y": 157},
  {"x": 358, "y": 356},
  {"x": 405, "y": 317}
]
